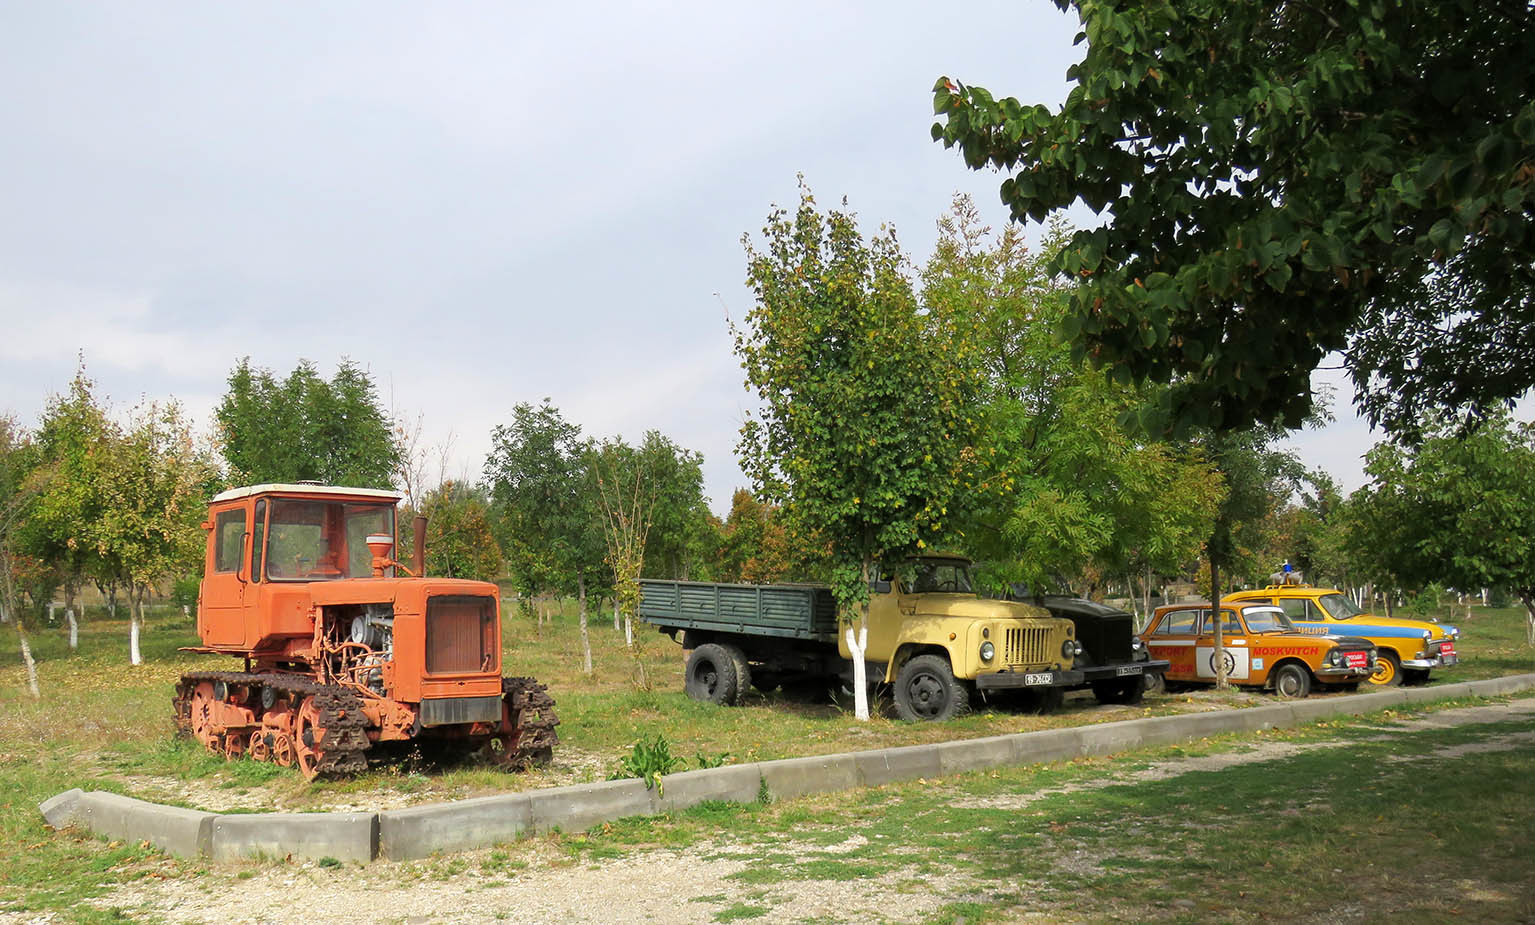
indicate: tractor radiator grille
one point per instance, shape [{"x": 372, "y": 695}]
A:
[
  {"x": 1026, "y": 647},
  {"x": 460, "y": 634}
]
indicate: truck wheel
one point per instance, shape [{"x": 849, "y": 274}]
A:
[
  {"x": 1121, "y": 691},
  {"x": 711, "y": 675},
  {"x": 926, "y": 690},
  {"x": 743, "y": 673},
  {"x": 1292, "y": 682},
  {"x": 1388, "y": 669},
  {"x": 1045, "y": 701}
]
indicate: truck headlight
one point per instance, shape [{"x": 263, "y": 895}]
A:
[
  {"x": 1071, "y": 648},
  {"x": 987, "y": 651},
  {"x": 1135, "y": 644}
]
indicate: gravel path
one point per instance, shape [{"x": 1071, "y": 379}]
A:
[{"x": 660, "y": 886}]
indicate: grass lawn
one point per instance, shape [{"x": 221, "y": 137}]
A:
[{"x": 104, "y": 725}]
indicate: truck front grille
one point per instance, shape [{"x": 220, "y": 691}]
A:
[
  {"x": 460, "y": 634},
  {"x": 1026, "y": 647}
]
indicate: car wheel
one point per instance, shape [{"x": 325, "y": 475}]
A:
[
  {"x": 926, "y": 690},
  {"x": 1388, "y": 670},
  {"x": 711, "y": 675},
  {"x": 1291, "y": 681},
  {"x": 1153, "y": 683}
]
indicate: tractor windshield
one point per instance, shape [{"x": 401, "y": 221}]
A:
[{"x": 323, "y": 540}]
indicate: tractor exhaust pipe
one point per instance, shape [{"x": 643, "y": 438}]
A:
[{"x": 418, "y": 552}]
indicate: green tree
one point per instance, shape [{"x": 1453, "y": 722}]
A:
[
  {"x": 303, "y": 427},
  {"x": 1456, "y": 510},
  {"x": 864, "y": 427},
  {"x": 18, "y": 498},
  {"x": 154, "y": 490},
  {"x": 1064, "y": 494},
  {"x": 626, "y": 493},
  {"x": 459, "y": 539},
  {"x": 544, "y": 505},
  {"x": 1281, "y": 181},
  {"x": 76, "y": 442},
  {"x": 680, "y": 530}
]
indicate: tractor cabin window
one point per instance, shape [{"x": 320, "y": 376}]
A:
[
  {"x": 229, "y": 541},
  {"x": 323, "y": 540}
]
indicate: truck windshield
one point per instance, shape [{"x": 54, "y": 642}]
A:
[
  {"x": 323, "y": 540},
  {"x": 940, "y": 576},
  {"x": 1339, "y": 606}
]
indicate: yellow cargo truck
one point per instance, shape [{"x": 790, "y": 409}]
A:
[{"x": 931, "y": 638}]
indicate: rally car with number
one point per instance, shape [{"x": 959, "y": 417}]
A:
[
  {"x": 1261, "y": 648},
  {"x": 1407, "y": 650}
]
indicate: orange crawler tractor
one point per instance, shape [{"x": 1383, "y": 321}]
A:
[{"x": 342, "y": 655}]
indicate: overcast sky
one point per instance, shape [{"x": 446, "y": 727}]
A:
[{"x": 482, "y": 204}]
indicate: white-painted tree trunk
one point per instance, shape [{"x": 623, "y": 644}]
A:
[
  {"x": 26, "y": 659},
  {"x": 136, "y": 619},
  {"x": 74, "y": 628},
  {"x": 628, "y": 631},
  {"x": 615, "y": 613},
  {"x": 51, "y": 618},
  {"x": 586, "y": 642},
  {"x": 855, "y": 647}
]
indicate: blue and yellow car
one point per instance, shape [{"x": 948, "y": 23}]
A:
[{"x": 1406, "y": 650}]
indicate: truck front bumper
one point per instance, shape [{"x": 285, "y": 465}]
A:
[
  {"x": 1009, "y": 679},
  {"x": 1125, "y": 670}
]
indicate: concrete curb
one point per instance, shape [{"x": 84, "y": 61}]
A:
[{"x": 421, "y": 831}]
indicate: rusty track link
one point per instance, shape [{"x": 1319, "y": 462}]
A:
[
  {"x": 344, "y": 742},
  {"x": 533, "y": 720}
]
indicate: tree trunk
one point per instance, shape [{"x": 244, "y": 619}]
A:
[
  {"x": 74, "y": 628},
  {"x": 1387, "y": 596},
  {"x": 586, "y": 642},
  {"x": 615, "y": 612},
  {"x": 1528, "y": 596},
  {"x": 1146, "y": 597},
  {"x": 136, "y": 620},
  {"x": 628, "y": 631},
  {"x": 26, "y": 659},
  {"x": 1218, "y": 654},
  {"x": 855, "y": 647}
]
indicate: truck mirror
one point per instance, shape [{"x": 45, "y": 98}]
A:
[{"x": 880, "y": 586}]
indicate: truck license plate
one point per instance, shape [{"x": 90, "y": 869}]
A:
[
  {"x": 1127, "y": 669},
  {"x": 1037, "y": 678}
]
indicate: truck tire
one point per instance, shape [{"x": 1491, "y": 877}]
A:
[
  {"x": 927, "y": 691},
  {"x": 1126, "y": 691},
  {"x": 711, "y": 675},
  {"x": 743, "y": 673}
]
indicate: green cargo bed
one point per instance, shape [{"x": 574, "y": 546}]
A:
[{"x": 789, "y": 611}]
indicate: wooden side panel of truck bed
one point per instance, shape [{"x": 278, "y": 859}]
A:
[{"x": 790, "y": 611}]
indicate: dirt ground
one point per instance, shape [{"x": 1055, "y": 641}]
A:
[{"x": 660, "y": 886}]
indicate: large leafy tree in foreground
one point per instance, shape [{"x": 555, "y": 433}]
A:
[
  {"x": 1282, "y": 180},
  {"x": 305, "y": 427},
  {"x": 864, "y": 423}
]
